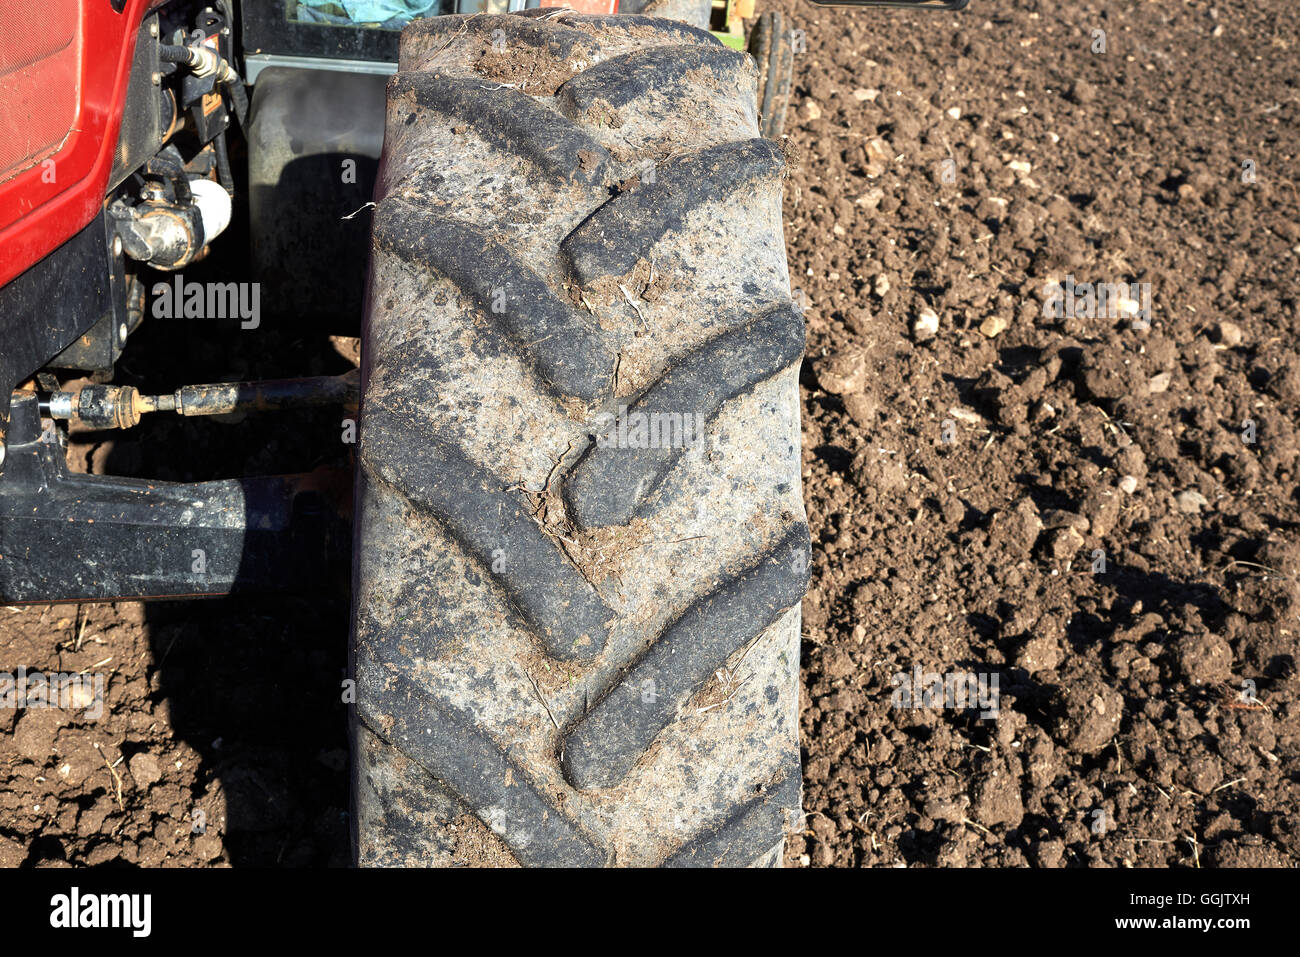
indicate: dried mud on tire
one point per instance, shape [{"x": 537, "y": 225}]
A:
[{"x": 578, "y": 646}]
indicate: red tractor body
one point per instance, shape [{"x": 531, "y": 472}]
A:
[{"x": 64, "y": 70}]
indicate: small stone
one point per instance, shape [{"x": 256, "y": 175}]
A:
[
  {"x": 843, "y": 372},
  {"x": 1159, "y": 383},
  {"x": 1191, "y": 502},
  {"x": 1020, "y": 166},
  {"x": 144, "y": 769},
  {"x": 865, "y": 95},
  {"x": 871, "y": 198},
  {"x": 993, "y": 326},
  {"x": 926, "y": 325},
  {"x": 1127, "y": 308},
  {"x": 811, "y": 110},
  {"x": 878, "y": 155},
  {"x": 1128, "y": 484},
  {"x": 1229, "y": 334},
  {"x": 882, "y": 285},
  {"x": 1064, "y": 543},
  {"x": 954, "y": 112}
]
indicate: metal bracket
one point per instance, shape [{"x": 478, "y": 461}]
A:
[{"x": 72, "y": 537}]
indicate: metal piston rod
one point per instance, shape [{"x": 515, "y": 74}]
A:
[{"x": 121, "y": 406}]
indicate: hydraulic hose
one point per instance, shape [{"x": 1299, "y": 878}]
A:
[
  {"x": 202, "y": 60},
  {"x": 205, "y": 61},
  {"x": 223, "y": 163}
]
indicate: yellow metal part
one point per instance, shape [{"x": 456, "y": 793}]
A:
[{"x": 728, "y": 21}]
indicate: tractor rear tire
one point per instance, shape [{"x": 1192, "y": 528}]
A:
[{"x": 580, "y": 536}]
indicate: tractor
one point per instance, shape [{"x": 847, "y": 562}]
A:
[{"x": 573, "y": 530}]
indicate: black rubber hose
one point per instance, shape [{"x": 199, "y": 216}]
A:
[
  {"x": 223, "y": 163},
  {"x": 239, "y": 101},
  {"x": 171, "y": 54}
]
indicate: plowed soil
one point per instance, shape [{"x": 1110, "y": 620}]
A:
[{"x": 1101, "y": 515}]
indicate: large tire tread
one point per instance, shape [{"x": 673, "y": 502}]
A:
[{"x": 567, "y": 653}]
